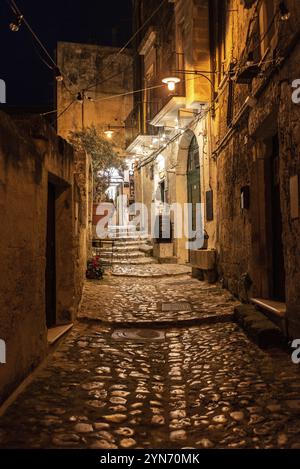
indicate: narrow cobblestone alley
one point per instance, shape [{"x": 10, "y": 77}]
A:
[{"x": 191, "y": 380}]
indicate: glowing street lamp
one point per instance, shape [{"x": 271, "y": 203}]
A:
[
  {"x": 15, "y": 26},
  {"x": 109, "y": 132},
  {"x": 171, "y": 82},
  {"x": 58, "y": 75}
]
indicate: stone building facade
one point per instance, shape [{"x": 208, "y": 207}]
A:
[
  {"x": 233, "y": 109},
  {"x": 45, "y": 208},
  {"x": 255, "y": 145},
  {"x": 93, "y": 75},
  {"x": 171, "y": 129},
  {"x": 96, "y": 91}
]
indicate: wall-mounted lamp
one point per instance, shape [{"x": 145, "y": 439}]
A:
[
  {"x": 171, "y": 82},
  {"x": 58, "y": 76},
  {"x": 284, "y": 11}
]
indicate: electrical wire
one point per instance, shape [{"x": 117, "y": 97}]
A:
[
  {"x": 54, "y": 66},
  {"x": 62, "y": 112},
  {"x": 130, "y": 40},
  {"x": 18, "y": 12},
  {"x": 129, "y": 93},
  {"x": 66, "y": 109},
  {"x": 40, "y": 57},
  {"x": 141, "y": 28},
  {"x": 108, "y": 78}
]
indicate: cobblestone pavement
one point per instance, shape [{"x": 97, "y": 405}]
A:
[
  {"x": 130, "y": 300},
  {"x": 199, "y": 387},
  {"x": 202, "y": 386}
]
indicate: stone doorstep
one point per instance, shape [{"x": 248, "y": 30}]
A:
[
  {"x": 55, "y": 333},
  {"x": 261, "y": 329},
  {"x": 273, "y": 310},
  {"x": 275, "y": 307}
]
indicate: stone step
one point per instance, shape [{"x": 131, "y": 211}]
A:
[
  {"x": 129, "y": 241},
  {"x": 121, "y": 249},
  {"x": 137, "y": 261},
  {"x": 273, "y": 310},
  {"x": 121, "y": 255},
  {"x": 263, "y": 331},
  {"x": 120, "y": 242}
]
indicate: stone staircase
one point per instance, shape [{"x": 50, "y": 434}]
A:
[{"x": 125, "y": 250}]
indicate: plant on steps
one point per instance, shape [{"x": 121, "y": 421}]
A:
[{"x": 95, "y": 269}]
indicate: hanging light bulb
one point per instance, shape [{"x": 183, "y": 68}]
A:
[
  {"x": 284, "y": 11},
  {"x": 109, "y": 132},
  {"x": 171, "y": 82},
  {"x": 58, "y": 75},
  {"x": 14, "y": 27}
]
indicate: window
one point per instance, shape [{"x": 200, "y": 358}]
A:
[
  {"x": 266, "y": 25},
  {"x": 193, "y": 157},
  {"x": 162, "y": 186}
]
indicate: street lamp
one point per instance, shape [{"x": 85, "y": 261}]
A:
[
  {"x": 15, "y": 26},
  {"x": 171, "y": 82},
  {"x": 109, "y": 132}
]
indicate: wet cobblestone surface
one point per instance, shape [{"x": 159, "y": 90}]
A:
[
  {"x": 127, "y": 300},
  {"x": 204, "y": 386},
  {"x": 200, "y": 387}
]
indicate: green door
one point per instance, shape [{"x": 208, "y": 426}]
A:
[{"x": 193, "y": 180}]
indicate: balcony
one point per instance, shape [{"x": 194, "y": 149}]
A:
[
  {"x": 169, "y": 103},
  {"x": 138, "y": 131}
]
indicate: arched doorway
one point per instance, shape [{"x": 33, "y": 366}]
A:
[
  {"x": 193, "y": 179},
  {"x": 187, "y": 177}
]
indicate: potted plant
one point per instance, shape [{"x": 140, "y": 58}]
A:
[{"x": 95, "y": 269}]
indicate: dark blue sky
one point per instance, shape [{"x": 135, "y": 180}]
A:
[{"x": 28, "y": 80}]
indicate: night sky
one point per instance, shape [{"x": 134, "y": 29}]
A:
[{"x": 28, "y": 80}]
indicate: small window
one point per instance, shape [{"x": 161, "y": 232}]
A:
[{"x": 266, "y": 25}]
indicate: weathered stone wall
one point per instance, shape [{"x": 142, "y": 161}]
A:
[
  {"x": 30, "y": 155},
  {"x": 244, "y": 244},
  {"x": 101, "y": 73}
]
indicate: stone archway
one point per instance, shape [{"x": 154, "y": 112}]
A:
[{"x": 181, "y": 189}]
